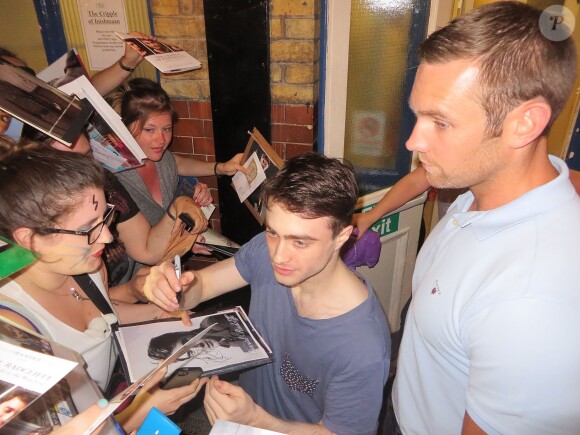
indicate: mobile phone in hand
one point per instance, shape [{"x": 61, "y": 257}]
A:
[{"x": 181, "y": 377}]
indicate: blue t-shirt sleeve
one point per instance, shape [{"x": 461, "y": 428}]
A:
[{"x": 250, "y": 256}]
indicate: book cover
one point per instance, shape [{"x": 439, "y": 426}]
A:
[
  {"x": 13, "y": 257},
  {"x": 167, "y": 58},
  {"x": 112, "y": 143},
  {"x": 28, "y": 369},
  {"x": 232, "y": 344},
  {"x": 40, "y": 105},
  {"x": 262, "y": 163}
]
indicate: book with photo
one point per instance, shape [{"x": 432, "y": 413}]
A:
[
  {"x": 64, "y": 70},
  {"x": 219, "y": 243},
  {"x": 40, "y": 105},
  {"x": 112, "y": 143},
  {"x": 232, "y": 344},
  {"x": 29, "y": 368},
  {"x": 262, "y": 163},
  {"x": 167, "y": 58}
]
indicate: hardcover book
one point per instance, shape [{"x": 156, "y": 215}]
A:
[{"x": 262, "y": 163}]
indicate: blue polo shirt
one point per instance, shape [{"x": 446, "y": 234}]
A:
[{"x": 494, "y": 322}]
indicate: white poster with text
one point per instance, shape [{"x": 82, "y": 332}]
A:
[{"x": 100, "y": 19}]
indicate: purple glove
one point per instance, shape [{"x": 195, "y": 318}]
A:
[{"x": 363, "y": 252}]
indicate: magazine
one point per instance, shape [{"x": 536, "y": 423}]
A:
[
  {"x": 40, "y": 105},
  {"x": 262, "y": 163},
  {"x": 167, "y": 58},
  {"x": 231, "y": 345},
  {"x": 112, "y": 143}
]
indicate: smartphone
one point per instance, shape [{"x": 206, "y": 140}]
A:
[{"x": 181, "y": 377}]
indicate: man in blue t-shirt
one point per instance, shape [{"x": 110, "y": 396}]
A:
[{"x": 328, "y": 333}]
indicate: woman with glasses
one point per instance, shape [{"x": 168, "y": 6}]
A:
[{"x": 52, "y": 203}]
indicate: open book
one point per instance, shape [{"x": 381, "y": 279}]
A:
[
  {"x": 112, "y": 143},
  {"x": 219, "y": 243},
  {"x": 262, "y": 163},
  {"x": 64, "y": 70},
  {"x": 232, "y": 344},
  {"x": 167, "y": 58},
  {"x": 40, "y": 105}
]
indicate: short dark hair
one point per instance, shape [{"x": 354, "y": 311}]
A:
[
  {"x": 313, "y": 186},
  {"x": 23, "y": 395},
  {"x": 40, "y": 185},
  {"x": 517, "y": 62}
]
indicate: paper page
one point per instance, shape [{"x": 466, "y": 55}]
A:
[
  {"x": 245, "y": 184},
  {"x": 222, "y": 427}
]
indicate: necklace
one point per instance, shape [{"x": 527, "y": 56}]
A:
[{"x": 71, "y": 291}]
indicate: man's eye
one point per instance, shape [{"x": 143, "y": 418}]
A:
[
  {"x": 300, "y": 243},
  {"x": 441, "y": 125},
  {"x": 270, "y": 233}
]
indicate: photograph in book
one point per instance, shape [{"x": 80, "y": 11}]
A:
[
  {"x": 167, "y": 58},
  {"x": 230, "y": 345},
  {"x": 219, "y": 243},
  {"x": 112, "y": 143},
  {"x": 260, "y": 155},
  {"x": 64, "y": 70},
  {"x": 40, "y": 105}
]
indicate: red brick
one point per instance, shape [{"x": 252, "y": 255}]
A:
[
  {"x": 302, "y": 114},
  {"x": 182, "y": 145},
  {"x": 200, "y": 109},
  {"x": 293, "y": 149},
  {"x": 211, "y": 181},
  {"x": 293, "y": 133},
  {"x": 202, "y": 145},
  {"x": 208, "y": 128},
  {"x": 181, "y": 108},
  {"x": 189, "y": 127},
  {"x": 277, "y": 114}
]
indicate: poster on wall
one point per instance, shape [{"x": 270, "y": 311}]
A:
[{"x": 100, "y": 19}]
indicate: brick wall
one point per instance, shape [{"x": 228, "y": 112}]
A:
[{"x": 294, "y": 52}]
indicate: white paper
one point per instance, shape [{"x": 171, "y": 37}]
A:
[
  {"x": 245, "y": 184},
  {"x": 222, "y": 427},
  {"x": 31, "y": 370}
]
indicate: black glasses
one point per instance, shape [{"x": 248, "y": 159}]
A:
[{"x": 92, "y": 234}]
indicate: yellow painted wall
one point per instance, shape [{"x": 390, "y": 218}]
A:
[{"x": 20, "y": 33}]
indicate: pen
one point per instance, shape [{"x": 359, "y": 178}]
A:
[{"x": 177, "y": 266}]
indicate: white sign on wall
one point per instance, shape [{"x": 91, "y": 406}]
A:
[{"x": 100, "y": 19}]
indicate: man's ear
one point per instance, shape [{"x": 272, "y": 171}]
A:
[
  {"x": 526, "y": 123},
  {"x": 23, "y": 236},
  {"x": 343, "y": 236}
]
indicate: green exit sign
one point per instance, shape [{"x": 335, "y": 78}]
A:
[{"x": 386, "y": 225}]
